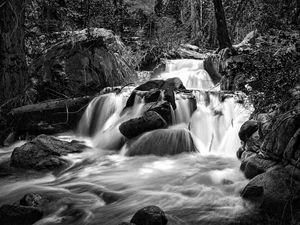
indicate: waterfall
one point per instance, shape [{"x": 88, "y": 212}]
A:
[
  {"x": 113, "y": 178},
  {"x": 214, "y": 125}
]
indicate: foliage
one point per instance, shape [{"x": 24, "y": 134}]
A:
[{"x": 268, "y": 74}]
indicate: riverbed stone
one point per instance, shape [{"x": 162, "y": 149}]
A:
[
  {"x": 44, "y": 152},
  {"x": 19, "y": 215},
  {"x": 150, "y": 215}
]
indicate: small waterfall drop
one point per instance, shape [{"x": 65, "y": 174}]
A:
[{"x": 201, "y": 186}]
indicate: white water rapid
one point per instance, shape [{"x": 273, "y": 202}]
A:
[{"x": 105, "y": 187}]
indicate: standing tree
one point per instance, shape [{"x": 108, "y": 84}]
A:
[
  {"x": 222, "y": 32},
  {"x": 13, "y": 69}
]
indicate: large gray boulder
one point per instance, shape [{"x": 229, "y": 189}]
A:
[
  {"x": 82, "y": 63},
  {"x": 44, "y": 152}
]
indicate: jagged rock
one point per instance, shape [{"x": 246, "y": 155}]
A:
[
  {"x": 44, "y": 152},
  {"x": 19, "y": 215},
  {"x": 247, "y": 129},
  {"x": 252, "y": 166},
  {"x": 279, "y": 190},
  {"x": 162, "y": 142},
  {"x": 151, "y": 215}
]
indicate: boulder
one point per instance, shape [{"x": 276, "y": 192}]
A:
[
  {"x": 150, "y": 215},
  {"x": 19, "y": 215},
  {"x": 282, "y": 132},
  {"x": 149, "y": 121},
  {"x": 255, "y": 165},
  {"x": 278, "y": 192},
  {"x": 44, "y": 152},
  {"x": 82, "y": 63},
  {"x": 162, "y": 142},
  {"x": 247, "y": 129}
]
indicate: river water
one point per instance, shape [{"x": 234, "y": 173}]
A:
[{"x": 104, "y": 186}]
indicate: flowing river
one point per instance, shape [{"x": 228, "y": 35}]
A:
[{"x": 105, "y": 186}]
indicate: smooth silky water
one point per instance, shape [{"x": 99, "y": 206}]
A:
[{"x": 192, "y": 188}]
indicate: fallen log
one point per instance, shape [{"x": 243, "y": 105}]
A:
[{"x": 52, "y": 105}]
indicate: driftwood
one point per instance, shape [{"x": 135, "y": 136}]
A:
[{"x": 52, "y": 105}]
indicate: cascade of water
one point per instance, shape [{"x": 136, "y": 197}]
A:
[
  {"x": 192, "y": 188},
  {"x": 214, "y": 125}
]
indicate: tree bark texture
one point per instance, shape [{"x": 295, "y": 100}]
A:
[
  {"x": 222, "y": 31},
  {"x": 13, "y": 69}
]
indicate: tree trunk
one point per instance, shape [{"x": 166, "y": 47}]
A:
[
  {"x": 222, "y": 32},
  {"x": 13, "y": 68}
]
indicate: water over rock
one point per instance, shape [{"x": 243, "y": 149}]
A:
[
  {"x": 151, "y": 215},
  {"x": 162, "y": 142},
  {"x": 44, "y": 152}
]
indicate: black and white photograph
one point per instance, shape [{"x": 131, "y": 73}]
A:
[{"x": 149, "y": 112}]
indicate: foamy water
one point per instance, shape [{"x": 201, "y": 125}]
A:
[{"x": 105, "y": 186}]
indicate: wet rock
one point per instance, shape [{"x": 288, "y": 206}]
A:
[
  {"x": 151, "y": 215},
  {"x": 149, "y": 121},
  {"x": 255, "y": 165},
  {"x": 162, "y": 142},
  {"x": 247, "y": 129},
  {"x": 31, "y": 199},
  {"x": 19, "y": 215},
  {"x": 279, "y": 190},
  {"x": 44, "y": 152}
]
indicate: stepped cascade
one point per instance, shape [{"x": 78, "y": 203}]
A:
[{"x": 183, "y": 161}]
